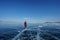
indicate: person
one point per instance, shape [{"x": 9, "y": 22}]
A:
[{"x": 25, "y": 24}]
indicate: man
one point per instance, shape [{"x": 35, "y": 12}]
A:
[{"x": 25, "y": 24}]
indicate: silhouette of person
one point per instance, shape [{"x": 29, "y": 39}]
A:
[{"x": 25, "y": 24}]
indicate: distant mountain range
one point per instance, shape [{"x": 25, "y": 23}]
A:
[
  {"x": 17, "y": 23},
  {"x": 51, "y": 23}
]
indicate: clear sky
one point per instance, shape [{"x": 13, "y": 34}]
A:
[{"x": 31, "y": 10}]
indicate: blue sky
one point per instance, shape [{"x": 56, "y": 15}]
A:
[{"x": 30, "y": 10}]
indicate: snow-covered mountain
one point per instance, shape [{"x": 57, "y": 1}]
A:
[
  {"x": 52, "y": 23},
  {"x": 55, "y": 25}
]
